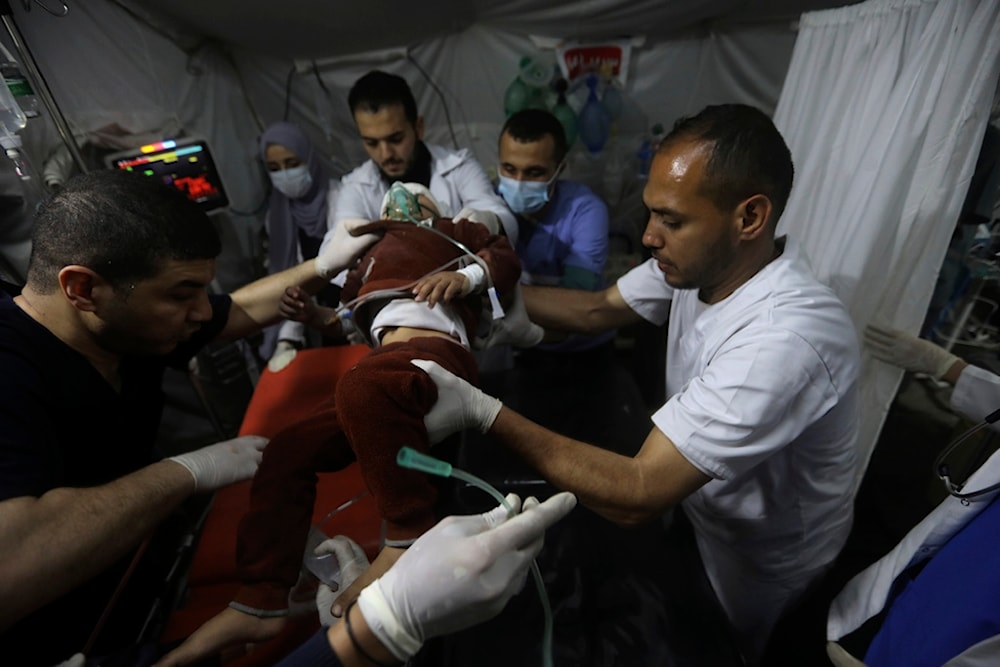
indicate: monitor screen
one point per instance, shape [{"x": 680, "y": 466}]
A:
[{"x": 186, "y": 164}]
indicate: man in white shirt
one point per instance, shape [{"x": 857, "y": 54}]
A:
[
  {"x": 386, "y": 116},
  {"x": 757, "y": 438}
]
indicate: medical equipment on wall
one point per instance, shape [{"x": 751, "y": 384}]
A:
[
  {"x": 527, "y": 90},
  {"x": 564, "y": 112},
  {"x": 595, "y": 119},
  {"x": 414, "y": 460},
  {"x": 12, "y": 121},
  {"x": 18, "y": 84},
  {"x": 612, "y": 99},
  {"x": 39, "y": 85},
  {"x": 17, "y": 104},
  {"x": 12, "y": 118}
]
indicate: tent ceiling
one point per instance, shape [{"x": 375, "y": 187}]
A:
[{"x": 325, "y": 28}]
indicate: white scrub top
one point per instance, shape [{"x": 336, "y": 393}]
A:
[{"x": 762, "y": 397}]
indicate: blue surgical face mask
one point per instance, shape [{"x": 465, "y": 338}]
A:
[
  {"x": 293, "y": 183},
  {"x": 524, "y": 197}
]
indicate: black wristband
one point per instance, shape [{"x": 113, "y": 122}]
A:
[{"x": 354, "y": 640}]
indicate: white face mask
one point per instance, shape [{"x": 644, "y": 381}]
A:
[{"x": 293, "y": 183}]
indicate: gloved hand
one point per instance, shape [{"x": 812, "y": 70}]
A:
[
  {"x": 352, "y": 561},
  {"x": 459, "y": 573},
  {"x": 224, "y": 462},
  {"x": 459, "y": 405},
  {"x": 515, "y": 328},
  {"x": 284, "y": 352},
  {"x": 488, "y": 218},
  {"x": 908, "y": 352},
  {"x": 344, "y": 249}
]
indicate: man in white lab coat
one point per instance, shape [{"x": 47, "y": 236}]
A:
[{"x": 385, "y": 113}]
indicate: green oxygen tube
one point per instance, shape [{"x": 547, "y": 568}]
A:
[{"x": 411, "y": 458}]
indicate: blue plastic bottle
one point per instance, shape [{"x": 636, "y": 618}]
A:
[{"x": 594, "y": 120}]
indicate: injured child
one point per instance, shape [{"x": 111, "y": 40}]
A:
[{"x": 425, "y": 290}]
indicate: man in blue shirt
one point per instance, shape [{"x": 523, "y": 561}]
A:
[{"x": 562, "y": 225}]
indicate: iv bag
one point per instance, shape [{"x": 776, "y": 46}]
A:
[{"x": 12, "y": 118}]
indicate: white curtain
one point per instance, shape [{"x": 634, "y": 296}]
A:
[{"x": 884, "y": 107}]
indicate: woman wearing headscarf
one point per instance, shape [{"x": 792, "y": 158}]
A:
[{"x": 298, "y": 215}]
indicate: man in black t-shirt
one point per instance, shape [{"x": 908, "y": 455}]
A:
[{"x": 116, "y": 291}]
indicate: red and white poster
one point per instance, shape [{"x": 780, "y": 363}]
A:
[{"x": 610, "y": 58}]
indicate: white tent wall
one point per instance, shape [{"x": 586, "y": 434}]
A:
[{"x": 107, "y": 65}]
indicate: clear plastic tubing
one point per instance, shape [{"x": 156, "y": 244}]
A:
[{"x": 411, "y": 458}]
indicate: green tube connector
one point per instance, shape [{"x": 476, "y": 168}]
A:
[{"x": 411, "y": 458}]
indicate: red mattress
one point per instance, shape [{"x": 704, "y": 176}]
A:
[{"x": 278, "y": 399}]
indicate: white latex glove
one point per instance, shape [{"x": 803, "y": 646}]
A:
[
  {"x": 488, "y": 218},
  {"x": 459, "y": 404},
  {"x": 352, "y": 562},
  {"x": 344, "y": 249},
  {"x": 907, "y": 351},
  {"x": 459, "y": 573},
  {"x": 224, "y": 462},
  {"x": 284, "y": 352},
  {"x": 515, "y": 328}
]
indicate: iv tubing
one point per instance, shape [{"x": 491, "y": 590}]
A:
[
  {"x": 398, "y": 291},
  {"x": 402, "y": 198},
  {"x": 410, "y": 458}
]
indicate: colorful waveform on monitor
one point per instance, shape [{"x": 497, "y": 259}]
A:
[
  {"x": 185, "y": 164},
  {"x": 166, "y": 156}
]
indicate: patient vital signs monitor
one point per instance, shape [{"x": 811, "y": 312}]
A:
[{"x": 186, "y": 164}]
